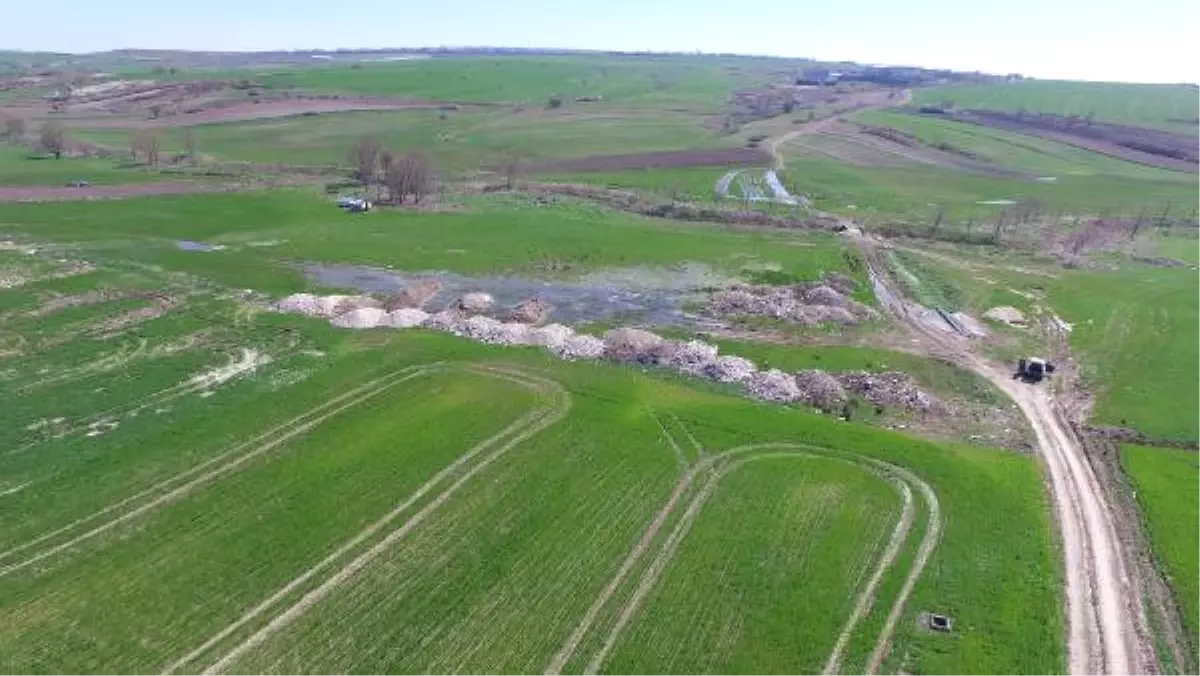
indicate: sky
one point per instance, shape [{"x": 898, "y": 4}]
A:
[{"x": 1116, "y": 40}]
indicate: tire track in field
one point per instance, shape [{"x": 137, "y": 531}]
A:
[
  {"x": 666, "y": 552},
  {"x": 197, "y": 476},
  {"x": 518, "y": 432}
]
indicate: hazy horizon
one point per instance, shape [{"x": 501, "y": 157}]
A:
[{"x": 1071, "y": 39}]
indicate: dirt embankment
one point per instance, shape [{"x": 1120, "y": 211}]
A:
[{"x": 1135, "y": 144}]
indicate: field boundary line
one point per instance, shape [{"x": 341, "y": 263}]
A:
[
  {"x": 280, "y": 434},
  {"x": 532, "y": 424}
]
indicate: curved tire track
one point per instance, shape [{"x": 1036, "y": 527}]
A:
[
  {"x": 667, "y": 550},
  {"x": 166, "y": 490},
  {"x": 516, "y": 433}
]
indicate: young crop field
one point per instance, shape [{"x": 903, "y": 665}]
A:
[
  {"x": 194, "y": 482},
  {"x": 1137, "y": 330},
  {"x": 1035, "y": 156},
  {"x": 1166, "y": 483},
  {"x": 665, "y": 83},
  {"x": 456, "y": 140},
  {"x": 1171, "y": 107}
]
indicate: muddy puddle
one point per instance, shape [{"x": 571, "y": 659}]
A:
[{"x": 656, "y": 296}]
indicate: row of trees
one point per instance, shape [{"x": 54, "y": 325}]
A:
[
  {"x": 52, "y": 136},
  {"x": 396, "y": 177}
]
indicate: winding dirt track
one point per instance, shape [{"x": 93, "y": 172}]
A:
[{"x": 1107, "y": 630}]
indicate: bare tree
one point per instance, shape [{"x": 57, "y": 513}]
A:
[
  {"x": 412, "y": 175},
  {"x": 189, "y": 143},
  {"x": 14, "y": 128},
  {"x": 511, "y": 167},
  {"x": 54, "y": 138},
  {"x": 365, "y": 158},
  {"x": 145, "y": 143}
]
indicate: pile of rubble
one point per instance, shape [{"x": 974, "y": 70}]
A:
[
  {"x": 808, "y": 304},
  {"x": 465, "y": 317},
  {"x": 890, "y": 389}
]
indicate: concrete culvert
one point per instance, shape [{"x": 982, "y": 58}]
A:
[
  {"x": 632, "y": 346},
  {"x": 820, "y": 390},
  {"x": 475, "y": 303},
  {"x": 414, "y": 295},
  {"x": 773, "y": 385},
  {"x": 730, "y": 369},
  {"x": 531, "y": 311},
  {"x": 361, "y": 318}
]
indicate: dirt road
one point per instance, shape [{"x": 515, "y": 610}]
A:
[
  {"x": 1107, "y": 631},
  {"x": 863, "y": 101}
]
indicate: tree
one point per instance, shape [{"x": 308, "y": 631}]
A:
[
  {"x": 365, "y": 158},
  {"x": 54, "y": 138},
  {"x": 411, "y": 174},
  {"x": 145, "y": 143},
  {"x": 511, "y": 168},
  {"x": 189, "y": 143},
  {"x": 14, "y": 128},
  {"x": 555, "y": 101}
]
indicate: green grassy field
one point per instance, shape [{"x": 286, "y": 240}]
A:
[
  {"x": 700, "y": 84},
  {"x": 456, "y": 141},
  {"x": 1136, "y": 330},
  {"x": 495, "y": 235},
  {"x": 1172, "y": 107},
  {"x": 21, "y": 167},
  {"x": 172, "y": 509},
  {"x": 1166, "y": 482}
]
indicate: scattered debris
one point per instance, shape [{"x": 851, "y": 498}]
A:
[
  {"x": 100, "y": 427},
  {"x": 551, "y": 335},
  {"x": 404, "y": 318},
  {"x": 475, "y": 303},
  {"x": 531, "y": 311},
  {"x": 579, "y": 346},
  {"x": 632, "y": 346},
  {"x": 1006, "y": 315},
  {"x": 361, "y": 318},
  {"x": 821, "y": 390},
  {"x": 730, "y": 369},
  {"x": 250, "y": 360},
  {"x": 693, "y": 357},
  {"x": 809, "y": 304},
  {"x": 415, "y": 295},
  {"x": 773, "y": 385},
  {"x": 890, "y": 389}
]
